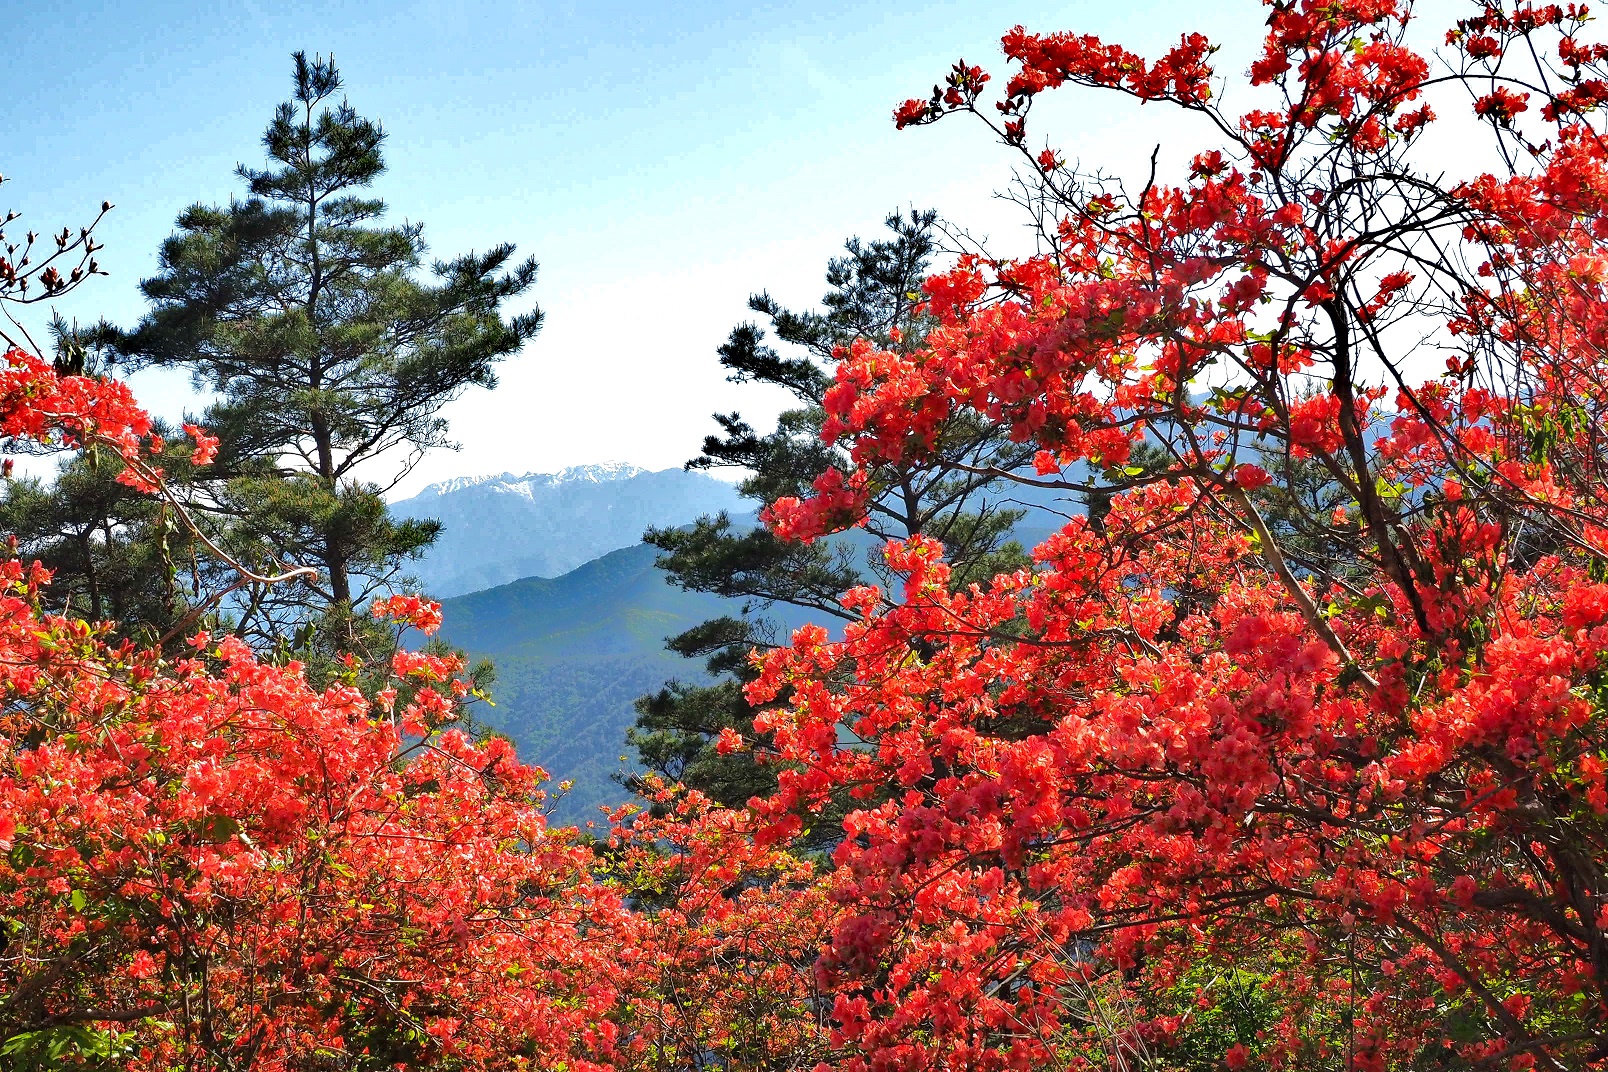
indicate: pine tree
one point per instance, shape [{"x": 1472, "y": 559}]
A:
[
  {"x": 329, "y": 356},
  {"x": 115, "y": 553},
  {"x": 103, "y": 542},
  {"x": 874, "y": 294}
]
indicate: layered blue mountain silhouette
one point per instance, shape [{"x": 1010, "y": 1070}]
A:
[{"x": 498, "y": 529}]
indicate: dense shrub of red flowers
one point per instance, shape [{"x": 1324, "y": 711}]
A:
[
  {"x": 207, "y": 863},
  {"x": 221, "y": 867},
  {"x": 1320, "y": 698},
  {"x": 1315, "y": 699}
]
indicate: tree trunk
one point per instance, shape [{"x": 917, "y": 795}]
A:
[
  {"x": 335, "y": 552},
  {"x": 96, "y": 611}
]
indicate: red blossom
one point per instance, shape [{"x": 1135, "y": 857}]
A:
[
  {"x": 206, "y": 446},
  {"x": 1501, "y": 105},
  {"x": 1288, "y": 760},
  {"x": 416, "y": 611}
]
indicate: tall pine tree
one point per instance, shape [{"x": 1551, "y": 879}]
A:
[
  {"x": 874, "y": 293},
  {"x": 330, "y": 352}
]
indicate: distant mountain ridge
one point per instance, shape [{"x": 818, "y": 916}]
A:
[
  {"x": 497, "y": 529},
  {"x": 508, "y": 482}
]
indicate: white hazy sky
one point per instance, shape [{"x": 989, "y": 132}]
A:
[{"x": 661, "y": 161}]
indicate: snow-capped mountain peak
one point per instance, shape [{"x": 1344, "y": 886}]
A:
[
  {"x": 500, "y": 528},
  {"x": 599, "y": 473},
  {"x": 459, "y": 483}
]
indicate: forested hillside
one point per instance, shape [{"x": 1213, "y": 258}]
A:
[{"x": 572, "y": 655}]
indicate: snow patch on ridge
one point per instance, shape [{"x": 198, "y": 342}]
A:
[{"x": 509, "y": 483}]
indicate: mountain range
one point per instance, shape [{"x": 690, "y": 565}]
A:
[
  {"x": 546, "y": 575},
  {"x": 501, "y": 528}
]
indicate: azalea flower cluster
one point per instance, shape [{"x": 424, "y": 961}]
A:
[
  {"x": 1349, "y": 741},
  {"x": 1315, "y": 698},
  {"x": 205, "y": 862}
]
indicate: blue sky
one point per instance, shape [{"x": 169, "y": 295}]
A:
[{"x": 661, "y": 161}]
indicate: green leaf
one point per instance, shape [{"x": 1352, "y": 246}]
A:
[{"x": 219, "y": 828}]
